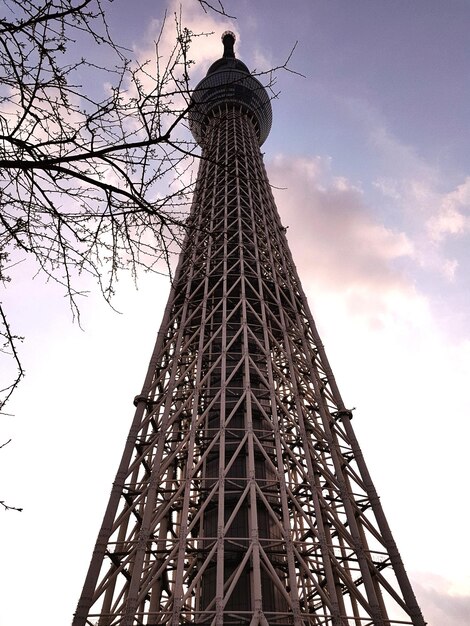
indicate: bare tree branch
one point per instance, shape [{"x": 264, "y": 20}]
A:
[
  {"x": 9, "y": 347},
  {"x": 2, "y": 502},
  {"x": 91, "y": 183},
  {"x": 95, "y": 160},
  {"x": 9, "y": 508},
  {"x": 217, "y": 7}
]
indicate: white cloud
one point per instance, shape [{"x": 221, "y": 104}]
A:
[
  {"x": 339, "y": 245},
  {"x": 436, "y": 212},
  {"x": 441, "y": 602},
  {"x": 452, "y": 215},
  {"x": 435, "y": 219},
  {"x": 434, "y": 209}
]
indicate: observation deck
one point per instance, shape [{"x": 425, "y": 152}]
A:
[{"x": 229, "y": 85}]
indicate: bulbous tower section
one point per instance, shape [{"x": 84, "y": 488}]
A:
[{"x": 227, "y": 86}]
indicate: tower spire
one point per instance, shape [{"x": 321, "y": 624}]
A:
[
  {"x": 228, "y": 39},
  {"x": 242, "y": 496}
]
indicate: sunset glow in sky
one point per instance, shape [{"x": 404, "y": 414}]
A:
[{"x": 370, "y": 164}]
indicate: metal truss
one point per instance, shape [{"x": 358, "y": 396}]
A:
[{"x": 242, "y": 496}]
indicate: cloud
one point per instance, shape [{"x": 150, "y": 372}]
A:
[
  {"x": 450, "y": 218},
  {"x": 440, "y": 602},
  {"x": 400, "y": 159},
  {"x": 432, "y": 206},
  {"x": 338, "y": 244},
  {"x": 206, "y": 27},
  {"x": 437, "y": 215}
]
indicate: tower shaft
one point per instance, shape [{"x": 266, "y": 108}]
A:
[{"x": 242, "y": 496}]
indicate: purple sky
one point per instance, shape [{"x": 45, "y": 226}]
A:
[{"x": 369, "y": 156}]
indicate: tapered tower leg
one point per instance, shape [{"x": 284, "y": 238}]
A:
[{"x": 242, "y": 496}]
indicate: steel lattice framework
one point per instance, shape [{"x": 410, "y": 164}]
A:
[{"x": 242, "y": 496}]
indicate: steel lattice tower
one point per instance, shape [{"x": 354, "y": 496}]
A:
[{"x": 242, "y": 496}]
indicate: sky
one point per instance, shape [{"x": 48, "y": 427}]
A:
[{"x": 368, "y": 157}]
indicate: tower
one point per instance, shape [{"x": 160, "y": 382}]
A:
[{"x": 242, "y": 496}]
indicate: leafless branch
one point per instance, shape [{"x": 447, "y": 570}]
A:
[
  {"x": 94, "y": 180},
  {"x": 9, "y": 347},
  {"x": 217, "y": 7},
  {"x": 9, "y": 508},
  {"x": 2, "y": 502}
]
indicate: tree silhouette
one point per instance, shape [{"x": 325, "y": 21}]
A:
[
  {"x": 83, "y": 167},
  {"x": 95, "y": 158}
]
